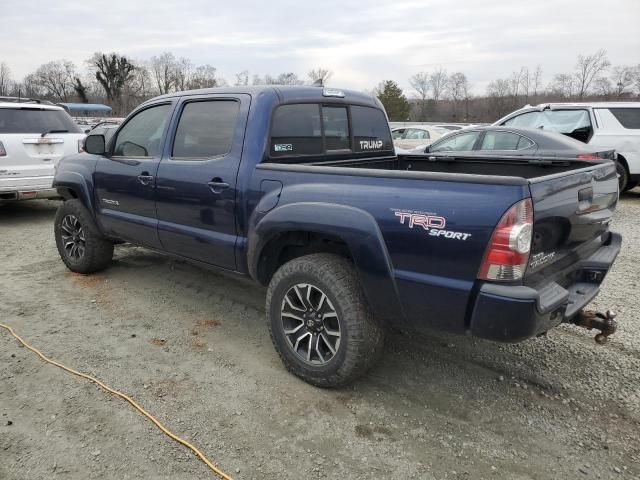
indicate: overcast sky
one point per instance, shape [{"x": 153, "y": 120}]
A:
[{"x": 361, "y": 42}]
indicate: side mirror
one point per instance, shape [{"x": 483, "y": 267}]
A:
[
  {"x": 95, "y": 144},
  {"x": 428, "y": 149}
]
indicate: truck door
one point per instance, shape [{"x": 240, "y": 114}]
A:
[
  {"x": 125, "y": 182},
  {"x": 196, "y": 181}
]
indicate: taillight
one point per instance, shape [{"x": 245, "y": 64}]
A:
[
  {"x": 585, "y": 156},
  {"x": 3, "y": 152},
  {"x": 508, "y": 251},
  {"x": 81, "y": 145}
]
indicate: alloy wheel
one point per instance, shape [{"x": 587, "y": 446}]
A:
[
  {"x": 73, "y": 238},
  {"x": 310, "y": 323}
]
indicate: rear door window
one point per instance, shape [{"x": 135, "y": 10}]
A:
[
  {"x": 36, "y": 120},
  {"x": 504, "y": 141},
  {"x": 628, "y": 117},
  {"x": 206, "y": 129},
  {"x": 460, "y": 142}
]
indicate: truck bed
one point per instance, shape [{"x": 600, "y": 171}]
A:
[{"x": 487, "y": 166}]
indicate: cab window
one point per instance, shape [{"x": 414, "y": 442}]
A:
[
  {"x": 141, "y": 136},
  {"x": 205, "y": 129}
]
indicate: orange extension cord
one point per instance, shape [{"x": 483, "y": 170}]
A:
[{"x": 166, "y": 431}]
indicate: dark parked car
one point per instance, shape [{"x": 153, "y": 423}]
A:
[
  {"x": 299, "y": 189},
  {"x": 509, "y": 141}
]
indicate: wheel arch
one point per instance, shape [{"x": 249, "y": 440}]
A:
[{"x": 294, "y": 230}]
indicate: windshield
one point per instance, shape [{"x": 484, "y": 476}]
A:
[{"x": 36, "y": 120}]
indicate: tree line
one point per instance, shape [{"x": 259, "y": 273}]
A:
[
  {"x": 123, "y": 83},
  {"x": 448, "y": 97}
]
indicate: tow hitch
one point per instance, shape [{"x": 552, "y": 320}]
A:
[{"x": 605, "y": 322}]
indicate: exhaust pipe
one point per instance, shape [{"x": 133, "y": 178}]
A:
[{"x": 605, "y": 322}]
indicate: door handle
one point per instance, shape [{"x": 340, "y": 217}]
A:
[
  {"x": 217, "y": 185},
  {"x": 145, "y": 178}
]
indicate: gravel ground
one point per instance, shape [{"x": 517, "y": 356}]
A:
[{"x": 192, "y": 347}]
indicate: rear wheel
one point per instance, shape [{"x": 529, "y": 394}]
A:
[
  {"x": 623, "y": 177},
  {"x": 80, "y": 244},
  {"x": 319, "y": 320}
]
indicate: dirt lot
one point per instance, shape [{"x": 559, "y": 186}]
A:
[{"x": 192, "y": 347}]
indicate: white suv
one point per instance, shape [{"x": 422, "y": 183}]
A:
[
  {"x": 604, "y": 124},
  {"x": 34, "y": 136}
]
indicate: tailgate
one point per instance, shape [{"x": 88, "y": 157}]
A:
[
  {"x": 572, "y": 212},
  {"x": 29, "y": 155}
]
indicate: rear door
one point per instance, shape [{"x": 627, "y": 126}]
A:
[
  {"x": 34, "y": 140},
  {"x": 196, "y": 182},
  {"x": 125, "y": 179}
]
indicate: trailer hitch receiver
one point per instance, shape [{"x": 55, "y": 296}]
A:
[{"x": 605, "y": 322}]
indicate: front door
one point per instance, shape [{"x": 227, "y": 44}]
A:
[
  {"x": 196, "y": 180},
  {"x": 125, "y": 182}
]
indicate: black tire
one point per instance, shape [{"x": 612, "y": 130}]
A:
[
  {"x": 97, "y": 251},
  {"x": 361, "y": 337},
  {"x": 623, "y": 178}
]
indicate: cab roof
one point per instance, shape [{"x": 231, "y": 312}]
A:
[{"x": 286, "y": 93}]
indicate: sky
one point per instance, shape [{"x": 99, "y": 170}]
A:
[{"x": 361, "y": 42}]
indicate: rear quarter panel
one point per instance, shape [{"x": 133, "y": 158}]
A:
[{"x": 432, "y": 275}]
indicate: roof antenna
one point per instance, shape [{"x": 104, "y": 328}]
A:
[{"x": 317, "y": 83}]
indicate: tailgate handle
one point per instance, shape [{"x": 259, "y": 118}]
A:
[{"x": 585, "y": 194}]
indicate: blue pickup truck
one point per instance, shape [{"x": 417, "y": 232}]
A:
[{"x": 299, "y": 188}]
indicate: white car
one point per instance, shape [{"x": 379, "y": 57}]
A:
[
  {"x": 34, "y": 136},
  {"x": 407, "y": 138},
  {"x": 603, "y": 125}
]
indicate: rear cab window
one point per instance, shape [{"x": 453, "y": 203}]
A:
[
  {"x": 314, "y": 129},
  {"x": 36, "y": 120}
]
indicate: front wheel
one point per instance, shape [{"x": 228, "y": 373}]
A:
[
  {"x": 319, "y": 320},
  {"x": 80, "y": 244}
]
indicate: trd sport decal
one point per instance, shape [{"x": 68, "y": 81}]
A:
[{"x": 434, "y": 225}]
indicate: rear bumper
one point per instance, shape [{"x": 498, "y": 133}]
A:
[
  {"x": 27, "y": 188},
  {"x": 510, "y": 313}
]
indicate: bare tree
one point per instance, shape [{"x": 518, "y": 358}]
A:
[
  {"x": 537, "y": 83},
  {"x": 603, "y": 87},
  {"x": 163, "y": 70},
  {"x": 438, "y": 84},
  {"x": 622, "y": 77},
  {"x": 564, "y": 85},
  {"x": 57, "y": 79},
  {"x": 420, "y": 83},
  {"x": 458, "y": 88},
  {"x": 113, "y": 72},
  {"x": 5, "y": 79},
  {"x": 182, "y": 74},
  {"x": 242, "y": 78},
  {"x": 320, "y": 73},
  {"x": 526, "y": 81},
  {"x": 204, "y": 76},
  {"x": 289, "y": 79},
  {"x": 588, "y": 69},
  {"x": 499, "y": 95}
]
